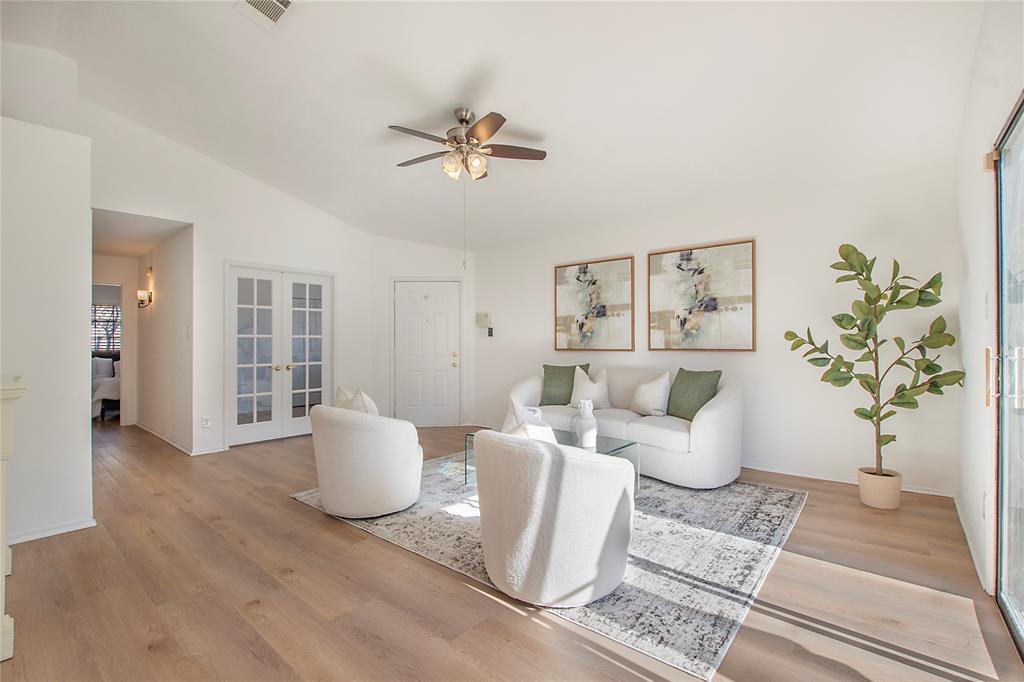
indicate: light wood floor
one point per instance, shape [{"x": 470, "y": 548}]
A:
[{"x": 204, "y": 568}]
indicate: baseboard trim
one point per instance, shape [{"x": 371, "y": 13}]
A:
[
  {"x": 169, "y": 441},
  {"x": 208, "y": 451},
  {"x": 852, "y": 481},
  {"x": 972, "y": 546},
  {"x": 40, "y": 533}
]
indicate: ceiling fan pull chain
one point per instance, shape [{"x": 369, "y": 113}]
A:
[{"x": 464, "y": 184}]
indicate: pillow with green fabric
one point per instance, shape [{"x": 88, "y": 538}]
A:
[
  {"x": 557, "y": 386},
  {"x": 691, "y": 391}
]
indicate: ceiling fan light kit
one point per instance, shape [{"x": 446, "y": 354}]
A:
[{"x": 466, "y": 145}]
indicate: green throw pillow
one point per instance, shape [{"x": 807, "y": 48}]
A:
[
  {"x": 557, "y": 387},
  {"x": 690, "y": 391}
]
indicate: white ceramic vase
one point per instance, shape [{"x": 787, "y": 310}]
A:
[{"x": 586, "y": 425}]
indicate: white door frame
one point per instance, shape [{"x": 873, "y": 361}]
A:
[
  {"x": 227, "y": 332},
  {"x": 392, "y": 281}
]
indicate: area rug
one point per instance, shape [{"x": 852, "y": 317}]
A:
[{"x": 696, "y": 559}]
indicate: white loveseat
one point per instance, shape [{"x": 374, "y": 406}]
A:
[
  {"x": 365, "y": 465},
  {"x": 555, "y": 520},
  {"x": 704, "y": 453}
]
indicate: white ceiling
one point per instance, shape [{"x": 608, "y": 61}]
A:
[
  {"x": 129, "y": 235},
  {"x": 640, "y": 106}
]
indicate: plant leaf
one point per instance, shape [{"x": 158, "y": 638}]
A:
[
  {"x": 927, "y": 299},
  {"x": 845, "y": 320},
  {"x": 938, "y": 325},
  {"x": 790, "y": 336},
  {"x": 853, "y": 341},
  {"x": 863, "y": 413},
  {"x": 948, "y": 378},
  {"x": 895, "y": 270},
  {"x": 819, "y": 362},
  {"x": 886, "y": 438},
  {"x": 900, "y": 343}
]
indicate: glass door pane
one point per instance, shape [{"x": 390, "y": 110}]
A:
[
  {"x": 1011, "y": 403},
  {"x": 308, "y": 334}
]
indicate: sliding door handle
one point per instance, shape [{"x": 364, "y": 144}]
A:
[{"x": 991, "y": 375}]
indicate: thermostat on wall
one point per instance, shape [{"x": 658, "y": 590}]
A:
[{"x": 483, "y": 320}]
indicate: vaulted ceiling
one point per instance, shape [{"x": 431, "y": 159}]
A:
[{"x": 640, "y": 106}]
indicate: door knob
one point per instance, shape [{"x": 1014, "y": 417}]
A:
[
  {"x": 276, "y": 368},
  {"x": 455, "y": 364},
  {"x": 455, "y": 355},
  {"x": 290, "y": 366}
]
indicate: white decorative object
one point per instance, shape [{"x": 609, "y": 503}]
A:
[
  {"x": 527, "y": 423},
  {"x": 12, "y": 390},
  {"x": 366, "y": 465},
  {"x": 360, "y": 402},
  {"x": 704, "y": 453},
  {"x": 586, "y": 425},
  {"x": 596, "y": 390},
  {"x": 651, "y": 398},
  {"x": 556, "y": 555}
]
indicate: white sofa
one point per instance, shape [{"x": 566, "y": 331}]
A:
[
  {"x": 366, "y": 465},
  {"x": 555, "y": 520},
  {"x": 704, "y": 453}
]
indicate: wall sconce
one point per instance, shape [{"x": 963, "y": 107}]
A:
[{"x": 145, "y": 297}]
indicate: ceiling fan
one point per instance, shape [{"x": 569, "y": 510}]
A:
[{"x": 466, "y": 145}]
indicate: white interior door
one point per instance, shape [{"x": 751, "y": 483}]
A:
[
  {"x": 307, "y": 340},
  {"x": 428, "y": 354},
  {"x": 254, "y": 351},
  {"x": 278, "y": 352}
]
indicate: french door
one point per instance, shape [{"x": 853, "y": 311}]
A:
[
  {"x": 278, "y": 351},
  {"x": 1010, "y": 572},
  {"x": 428, "y": 386}
]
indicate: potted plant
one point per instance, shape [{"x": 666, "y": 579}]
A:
[{"x": 880, "y": 487}]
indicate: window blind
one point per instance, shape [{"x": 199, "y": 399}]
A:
[{"x": 106, "y": 327}]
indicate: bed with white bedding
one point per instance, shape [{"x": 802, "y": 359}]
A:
[{"x": 106, "y": 382}]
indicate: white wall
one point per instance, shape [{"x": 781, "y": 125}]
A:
[
  {"x": 46, "y": 276},
  {"x": 793, "y": 422},
  {"x": 165, "y": 341},
  {"x": 996, "y": 82},
  {"x": 124, "y": 272},
  {"x": 235, "y": 218}
]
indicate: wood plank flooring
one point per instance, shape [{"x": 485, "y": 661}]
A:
[{"x": 204, "y": 568}]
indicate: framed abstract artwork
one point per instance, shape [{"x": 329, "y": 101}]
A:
[
  {"x": 594, "y": 305},
  {"x": 702, "y": 297}
]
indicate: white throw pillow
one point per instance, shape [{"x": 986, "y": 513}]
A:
[
  {"x": 341, "y": 395},
  {"x": 360, "y": 402},
  {"x": 585, "y": 389},
  {"x": 526, "y": 421},
  {"x": 651, "y": 397},
  {"x": 102, "y": 367}
]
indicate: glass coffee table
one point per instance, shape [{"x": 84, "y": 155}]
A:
[{"x": 613, "y": 447}]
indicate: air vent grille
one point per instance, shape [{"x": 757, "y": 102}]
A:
[{"x": 269, "y": 10}]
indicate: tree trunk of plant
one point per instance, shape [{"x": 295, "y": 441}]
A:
[{"x": 878, "y": 447}]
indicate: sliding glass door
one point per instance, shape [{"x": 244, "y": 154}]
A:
[{"x": 1010, "y": 373}]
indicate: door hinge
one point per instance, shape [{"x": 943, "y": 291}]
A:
[{"x": 990, "y": 160}]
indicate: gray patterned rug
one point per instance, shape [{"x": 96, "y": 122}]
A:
[{"x": 696, "y": 559}]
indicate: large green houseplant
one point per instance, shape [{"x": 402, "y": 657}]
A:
[{"x": 879, "y": 487}]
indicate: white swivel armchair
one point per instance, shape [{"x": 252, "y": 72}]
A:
[
  {"x": 555, "y": 520},
  {"x": 366, "y": 465}
]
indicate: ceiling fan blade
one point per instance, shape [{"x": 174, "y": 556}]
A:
[
  {"x": 421, "y": 159},
  {"x": 507, "y": 151},
  {"x": 485, "y": 128},
  {"x": 416, "y": 133}
]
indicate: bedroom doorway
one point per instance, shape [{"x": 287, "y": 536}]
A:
[{"x": 105, "y": 340}]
